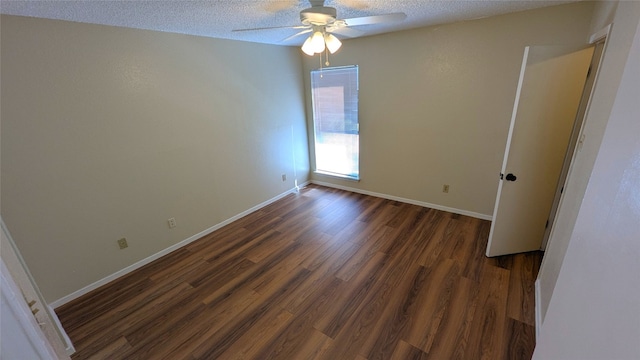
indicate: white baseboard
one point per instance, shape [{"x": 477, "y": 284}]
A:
[
  {"x": 408, "y": 201},
  {"x": 76, "y": 294},
  {"x": 538, "y": 309},
  {"x": 145, "y": 261},
  {"x": 70, "y": 349},
  {"x": 303, "y": 185}
]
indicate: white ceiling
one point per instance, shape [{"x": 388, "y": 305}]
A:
[{"x": 217, "y": 18}]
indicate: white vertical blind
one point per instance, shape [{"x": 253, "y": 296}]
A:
[{"x": 335, "y": 120}]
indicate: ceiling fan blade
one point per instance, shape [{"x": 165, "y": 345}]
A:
[
  {"x": 272, "y": 28},
  {"x": 375, "y": 19},
  {"x": 298, "y": 34},
  {"x": 346, "y": 32}
]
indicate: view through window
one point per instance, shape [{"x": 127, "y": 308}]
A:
[{"x": 335, "y": 120}]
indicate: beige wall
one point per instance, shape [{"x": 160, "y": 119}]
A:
[
  {"x": 108, "y": 132},
  {"x": 435, "y": 103}
]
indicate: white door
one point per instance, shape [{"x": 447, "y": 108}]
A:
[{"x": 547, "y": 99}]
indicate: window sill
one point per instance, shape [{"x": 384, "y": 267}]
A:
[{"x": 337, "y": 176}]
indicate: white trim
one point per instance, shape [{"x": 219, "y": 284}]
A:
[
  {"x": 600, "y": 34},
  {"x": 405, "y": 200},
  {"x": 76, "y": 294},
  {"x": 304, "y": 185},
  {"x": 70, "y": 349},
  {"x": 336, "y": 176},
  {"x": 538, "y": 309}
]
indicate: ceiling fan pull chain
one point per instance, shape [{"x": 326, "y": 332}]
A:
[
  {"x": 326, "y": 54},
  {"x": 326, "y": 49}
]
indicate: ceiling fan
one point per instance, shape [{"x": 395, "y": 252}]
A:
[{"x": 323, "y": 22}]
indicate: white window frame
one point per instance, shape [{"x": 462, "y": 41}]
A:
[{"x": 349, "y": 166}]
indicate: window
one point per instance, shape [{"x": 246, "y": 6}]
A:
[{"x": 334, "y": 94}]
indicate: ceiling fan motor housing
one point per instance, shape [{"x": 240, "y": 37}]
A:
[{"x": 318, "y": 15}]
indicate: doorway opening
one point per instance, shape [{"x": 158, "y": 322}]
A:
[{"x": 551, "y": 100}]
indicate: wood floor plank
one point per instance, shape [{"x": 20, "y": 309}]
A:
[
  {"x": 268, "y": 246},
  {"x": 249, "y": 345},
  {"x": 347, "y": 302},
  {"x": 217, "y": 241},
  {"x": 331, "y": 261},
  {"x": 396, "y": 317},
  {"x": 321, "y": 274},
  {"x": 159, "y": 327},
  {"x": 186, "y": 335},
  {"x": 98, "y": 304},
  {"x": 299, "y": 223},
  {"x": 425, "y": 323},
  {"x": 285, "y": 345},
  {"x": 221, "y": 291},
  {"x": 364, "y": 253},
  {"x": 219, "y": 274},
  {"x": 379, "y": 213},
  {"x": 464, "y": 240},
  {"x": 519, "y": 338},
  {"x": 114, "y": 323},
  {"x": 520, "y": 304},
  {"x": 295, "y": 301},
  {"x": 222, "y": 340},
  {"x": 492, "y": 299},
  {"x": 405, "y": 351},
  {"x": 451, "y": 339},
  {"x": 407, "y": 228},
  {"x": 437, "y": 241},
  {"x": 366, "y": 320},
  {"x": 471, "y": 265},
  {"x": 114, "y": 350},
  {"x": 314, "y": 347},
  {"x": 248, "y": 240},
  {"x": 273, "y": 277}
]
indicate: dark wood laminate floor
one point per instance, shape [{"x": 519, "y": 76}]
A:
[{"x": 324, "y": 274}]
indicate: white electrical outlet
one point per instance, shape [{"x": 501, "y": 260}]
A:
[
  {"x": 172, "y": 223},
  {"x": 445, "y": 188},
  {"x": 284, "y": 177}
]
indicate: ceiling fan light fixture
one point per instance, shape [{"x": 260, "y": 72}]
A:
[
  {"x": 307, "y": 47},
  {"x": 317, "y": 42},
  {"x": 333, "y": 43},
  {"x": 320, "y": 21}
]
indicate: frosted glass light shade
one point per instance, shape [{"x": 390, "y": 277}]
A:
[
  {"x": 333, "y": 43},
  {"x": 307, "y": 47},
  {"x": 317, "y": 42}
]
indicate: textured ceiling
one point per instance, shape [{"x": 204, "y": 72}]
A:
[{"x": 217, "y": 18}]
